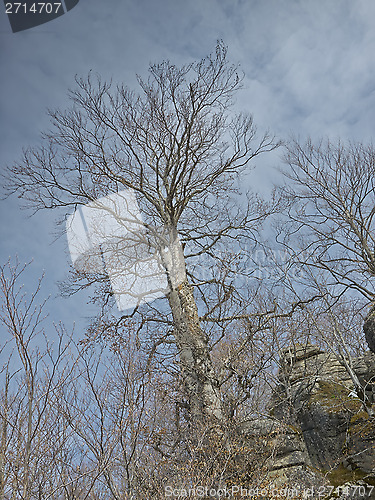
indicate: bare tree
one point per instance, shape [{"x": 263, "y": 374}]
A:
[
  {"x": 333, "y": 190},
  {"x": 32, "y": 433},
  {"x": 113, "y": 413},
  {"x": 76, "y": 421},
  {"x": 180, "y": 148}
]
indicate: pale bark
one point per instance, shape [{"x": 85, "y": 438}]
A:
[{"x": 196, "y": 364}]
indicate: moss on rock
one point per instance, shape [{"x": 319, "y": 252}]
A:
[{"x": 334, "y": 397}]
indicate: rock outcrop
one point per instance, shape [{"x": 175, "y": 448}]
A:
[{"x": 326, "y": 436}]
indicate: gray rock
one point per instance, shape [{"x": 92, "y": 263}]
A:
[
  {"x": 288, "y": 461},
  {"x": 315, "y": 397},
  {"x": 369, "y": 329}
]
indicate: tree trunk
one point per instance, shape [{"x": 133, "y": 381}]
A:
[{"x": 196, "y": 364}]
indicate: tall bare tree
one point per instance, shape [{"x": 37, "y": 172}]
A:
[{"x": 178, "y": 145}]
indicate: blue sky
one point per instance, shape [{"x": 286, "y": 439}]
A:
[{"x": 309, "y": 66}]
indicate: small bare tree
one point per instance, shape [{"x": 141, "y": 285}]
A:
[
  {"x": 32, "y": 433},
  {"x": 180, "y": 148}
]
